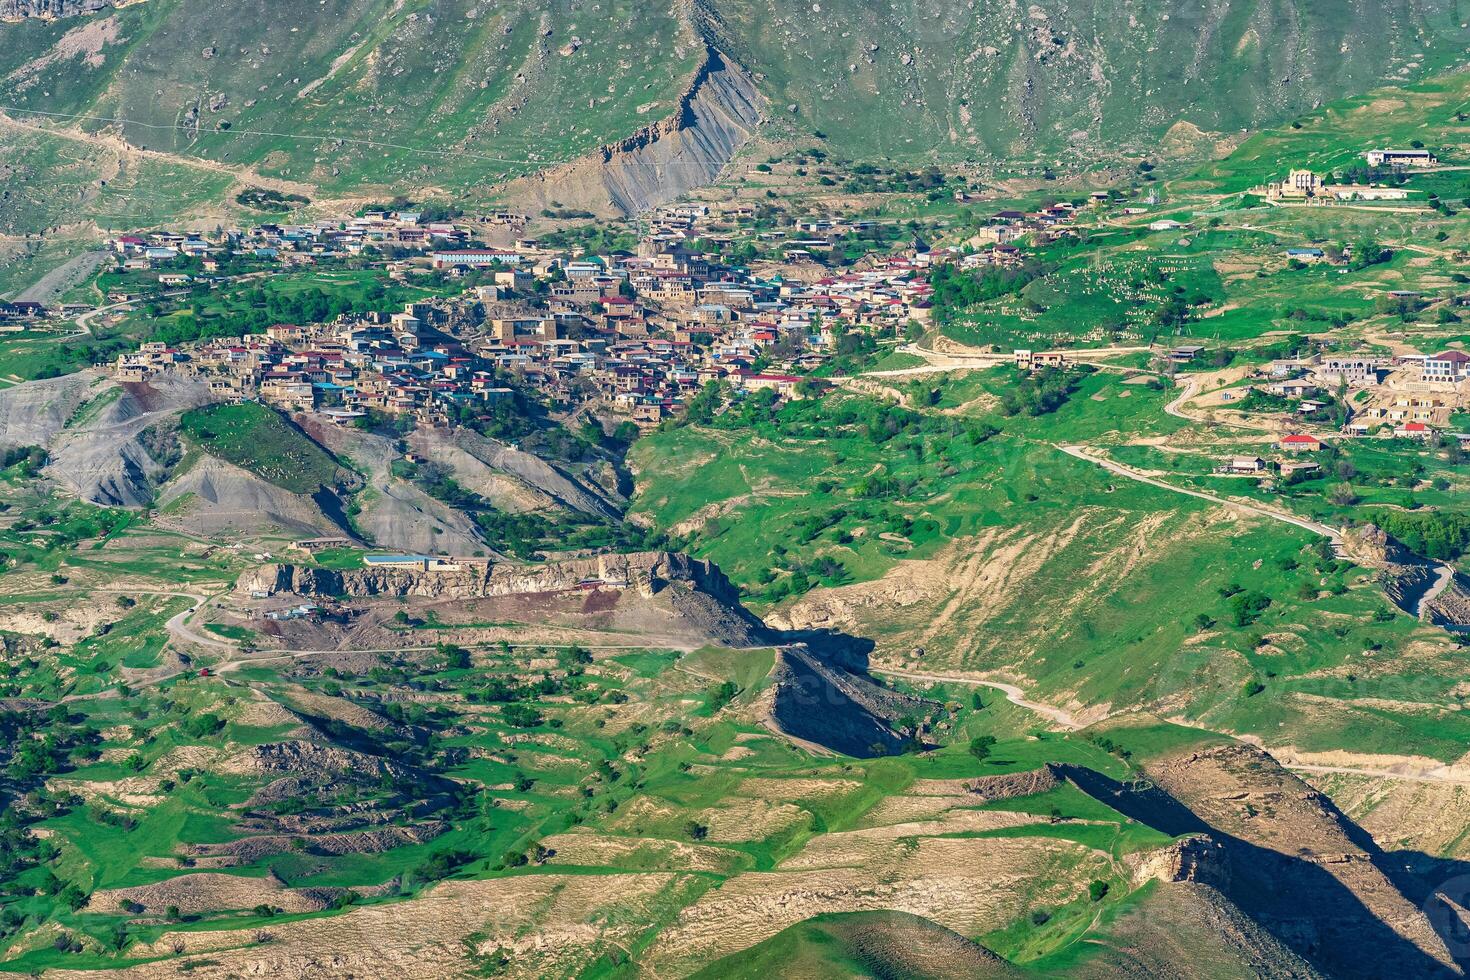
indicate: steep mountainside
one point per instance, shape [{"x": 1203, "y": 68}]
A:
[
  {"x": 364, "y": 97},
  {"x": 350, "y": 93},
  {"x": 1002, "y": 78}
]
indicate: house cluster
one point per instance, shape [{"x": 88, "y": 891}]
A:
[
  {"x": 642, "y": 332},
  {"x": 996, "y": 241},
  {"x": 21, "y": 315},
  {"x": 1406, "y": 396},
  {"x": 637, "y": 331},
  {"x": 395, "y": 363},
  {"x": 392, "y": 233},
  {"x": 1258, "y": 466}
]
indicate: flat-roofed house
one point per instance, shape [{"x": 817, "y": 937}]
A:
[{"x": 1448, "y": 366}]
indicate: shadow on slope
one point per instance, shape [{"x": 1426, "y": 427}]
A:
[{"x": 1288, "y": 859}]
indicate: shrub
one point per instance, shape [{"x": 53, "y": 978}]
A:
[
  {"x": 1247, "y": 607},
  {"x": 203, "y": 725}
]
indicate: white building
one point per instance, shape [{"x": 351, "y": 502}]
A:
[{"x": 1400, "y": 158}]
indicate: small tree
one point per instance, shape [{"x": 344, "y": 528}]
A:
[{"x": 981, "y": 745}]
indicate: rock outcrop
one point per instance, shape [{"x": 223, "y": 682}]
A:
[
  {"x": 1012, "y": 785},
  {"x": 696, "y": 592},
  {"x": 717, "y": 114},
  {"x": 1295, "y": 863},
  {"x": 50, "y": 9},
  {"x": 1434, "y": 592},
  {"x": 1450, "y": 606},
  {"x": 96, "y": 431},
  {"x": 649, "y": 572},
  {"x": 1197, "y": 858}
]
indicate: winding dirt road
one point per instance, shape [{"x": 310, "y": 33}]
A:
[
  {"x": 84, "y": 322},
  {"x": 178, "y": 625},
  {"x": 1112, "y": 466},
  {"x": 1189, "y": 389},
  {"x": 1016, "y": 696}
]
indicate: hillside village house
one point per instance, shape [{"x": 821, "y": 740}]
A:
[
  {"x": 1400, "y": 158},
  {"x": 1291, "y": 388},
  {"x": 1355, "y": 369},
  {"x": 1300, "y": 443},
  {"x": 1034, "y": 360},
  {"x": 1298, "y": 185},
  {"x": 1420, "y": 407},
  {"x": 1447, "y": 366}
]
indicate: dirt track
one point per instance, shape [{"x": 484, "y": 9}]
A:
[
  {"x": 1331, "y": 534},
  {"x": 1014, "y": 694}
]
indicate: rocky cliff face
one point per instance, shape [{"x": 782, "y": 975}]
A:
[
  {"x": 1196, "y": 858},
  {"x": 1450, "y": 607},
  {"x": 49, "y": 9},
  {"x": 905, "y": 82},
  {"x": 1015, "y": 784},
  {"x": 717, "y": 114},
  {"x": 690, "y": 590},
  {"x": 1295, "y": 863},
  {"x": 1415, "y": 584},
  {"x": 649, "y": 572}
]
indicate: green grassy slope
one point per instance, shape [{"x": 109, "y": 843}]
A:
[
  {"x": 1009, "y": 555},
  {"x": 364, "y": 96},
  {"x": 1431, "y": 111},
  {"x": 1000, "y": 80},
  {"x": 258, "y": 439},
  {"x": 861, "y": 944},
  {"x": 362, "y": 92}
]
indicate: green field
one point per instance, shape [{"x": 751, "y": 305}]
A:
[{"x": 787, "y": 494}]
